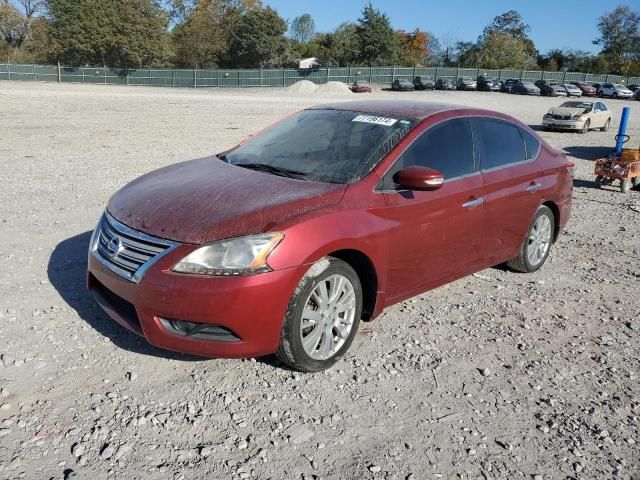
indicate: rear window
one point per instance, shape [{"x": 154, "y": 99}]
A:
[
  {"x": 531, "y": 144},
  {"x": 500, "y": 143}
]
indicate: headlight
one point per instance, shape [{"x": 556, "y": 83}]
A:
[
  {"x": 576, "y": 117},
  {"x": 235, "y": 256},
  {"x": 548, "y": 116}
]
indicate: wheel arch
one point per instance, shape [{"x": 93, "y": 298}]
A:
[
  {"x": 556, "y": 217},
  {"x": 367, "y": 274}
]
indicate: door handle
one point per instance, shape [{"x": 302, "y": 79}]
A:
[
  {"x": 533, "y": 187},
  {"x": 473, "y": 203}
]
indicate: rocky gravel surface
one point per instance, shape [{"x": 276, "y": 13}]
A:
[{"x": 499, "y": 375}]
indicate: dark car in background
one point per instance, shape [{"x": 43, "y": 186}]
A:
[
  {"x": 508, "y": 84},
  {"x": 401, "y": 85},
  {"x": 488, "y": 84},
  {"x": 466, "y": 83},
  {"x": 361, "y": 86},
  {"x": 525, "y": 88},
  {"x": 551, "y": 88},
  {"x": 445, "y": 84},
  {"x": 634, "y": 88},
  {"x": 424, "y": 83},
  {"x": 587, "y": 90}
]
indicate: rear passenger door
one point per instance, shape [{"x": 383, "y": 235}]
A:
[{"x": 512, "y": 181}]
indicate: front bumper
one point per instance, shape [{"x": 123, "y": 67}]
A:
[
  {"x": 252, "y": 308},
  {"x": 563, "y": 124}
]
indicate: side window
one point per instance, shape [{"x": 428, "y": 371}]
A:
[
  {"x": 531, "y": 144},
  {"x": 500, "y": 143},
  {"x": 601, "y": 106},
  {"x": 447, "y": 147}
]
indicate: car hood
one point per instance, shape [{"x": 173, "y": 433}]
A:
[
  {"x": 566, "y": 111},
  {"x": 204, "y": 200}
]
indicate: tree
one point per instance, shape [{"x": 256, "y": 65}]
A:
[
  {"x": 620, "y": 38},
  {"x": 513, "y": 24},
  {"x": 18, "y": 22},
  {"x": 376, "y": 39},
  {"x": 497, "y": 50},
  {"x": 108, "y": 32},
  {"x": 257, "y": 39},
  {"x": 412, "y": 47},
  {"x": 303, "y": 28},
  {"x": 434, "y": 50},
  {"x": 340, "y": 47},
  {"x": 201, "y": 38}
]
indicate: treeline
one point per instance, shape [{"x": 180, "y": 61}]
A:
[{"x": 245, "y": 34}]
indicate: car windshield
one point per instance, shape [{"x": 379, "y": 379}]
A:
[
  {"x": 528, "y": 84},
  {"x": 586, "y": 105},
  {"x": 619, "y": 87},
  {"x": 323, "y": 145}
]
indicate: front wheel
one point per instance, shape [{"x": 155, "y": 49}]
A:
[
  {"x": 585, "y": 128},
  {"x": 322, "y": 318},
  {"x": 606, "y": 126},
  {"x": 537, "y": 244}
]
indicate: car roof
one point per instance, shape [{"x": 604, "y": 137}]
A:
[{"x": 401, "y": 108}]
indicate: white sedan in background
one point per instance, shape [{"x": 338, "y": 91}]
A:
[
  {"x": 572, "y": 90},
  {"x": 578, "y": 116}
]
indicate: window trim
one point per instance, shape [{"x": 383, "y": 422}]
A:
[{"x": 508, "y": 165}]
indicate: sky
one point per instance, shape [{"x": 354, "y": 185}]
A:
[{"x": 554, "y": 24}]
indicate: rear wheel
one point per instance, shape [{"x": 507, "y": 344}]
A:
[
  {"x": 625, "y": 185},
  {"x": 635, "y": 181},
  {"x": 615, "y": 95},
  {"x": 606, "y": 126},
  {"x": 322, "y": 318},
  {"x": 599, "y": 181},
  {"x": 537, "y": 244}
]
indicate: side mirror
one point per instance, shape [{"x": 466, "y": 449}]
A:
[{"x": 419, "y": 178}]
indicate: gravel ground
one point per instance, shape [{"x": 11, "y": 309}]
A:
[{"x": 498, "y": 375}]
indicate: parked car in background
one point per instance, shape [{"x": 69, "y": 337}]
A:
[
  {"x": 572, "y": 90},
  {"x": 466, "y": 83},
  {"x": 402, "y": 85},
  {"x": 551, "y": 88},
  {"x": 445, "y": 84},
  {"x": 525, "y": 88},
  {"x": 597, "y": 86},
  {"x": 488, "y": 84},
  {"x": 578, "y": 116},
  {"x": 615, "y": 90},
  {"x": 586, "y": 89},
  {"x": 361, "y": 86},
  {"x": 637, "y": 95},
  {"x": 424, "y": 83},
  {"x": 508, "y": 84},
  {"x": 634, "y": 88},
  {"x": 353, "y": 207}
]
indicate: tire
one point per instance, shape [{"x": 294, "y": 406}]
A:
[
  {"x": 614, "y": 95},
  {"x": 606, "y": 126},
  {"x": 585, "y": 128},
  {"x": 305, "y": 316},
  {"x": 635, "y": 181},
  {"x": 599, "y": 181},
  {"x": 625, "y": 185},
  {"x": 529, "y": 260}
]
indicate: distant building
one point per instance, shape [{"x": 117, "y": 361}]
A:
[{"x": 311, "y": 63}]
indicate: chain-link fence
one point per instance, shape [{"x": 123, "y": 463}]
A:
[{"x": 278, "y": 77}]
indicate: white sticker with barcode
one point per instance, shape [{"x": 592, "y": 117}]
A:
[{"x": 387, "y": 122}]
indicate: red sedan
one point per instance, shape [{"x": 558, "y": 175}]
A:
[
  {"x": 284, "y": 243},
  {"x": 360, "y": 86},
  {"x": 587, "y": 90}
]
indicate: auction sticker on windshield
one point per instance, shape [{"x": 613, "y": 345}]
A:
[{"x": 387, "y": 122}]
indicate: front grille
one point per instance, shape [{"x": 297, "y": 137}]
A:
[
  {"x": 125, "y": 251},
  {"x": 562, "y": 117}
]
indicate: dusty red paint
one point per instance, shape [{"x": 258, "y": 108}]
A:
[
  {"x": 203, "y": 200},
  {"x": 415, "y": 241}
]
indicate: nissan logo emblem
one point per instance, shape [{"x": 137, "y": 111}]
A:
[{"x": 114, "y": 246}]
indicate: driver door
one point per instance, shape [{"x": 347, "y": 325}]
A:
[{"x": 435, "y": 235}]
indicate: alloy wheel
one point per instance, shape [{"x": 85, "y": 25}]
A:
[
  {"x": 328, "y": 317},
  {"x": 539, "y": 240}
]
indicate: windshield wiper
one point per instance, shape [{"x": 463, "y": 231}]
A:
[{"x": 263, "y": 167}]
